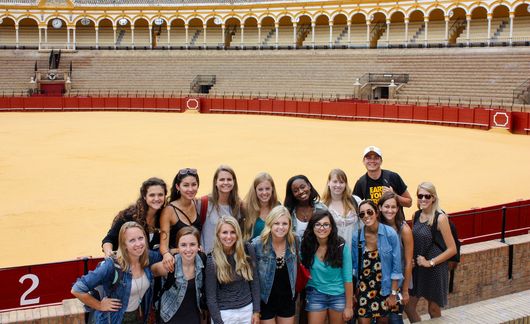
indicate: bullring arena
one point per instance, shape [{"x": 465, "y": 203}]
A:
[{"x": 98, "y": 95}]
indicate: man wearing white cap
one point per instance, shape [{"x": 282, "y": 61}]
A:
[{"x": 376, "y": 181}]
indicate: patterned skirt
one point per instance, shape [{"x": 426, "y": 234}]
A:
[{"x": 370, "y": 302}]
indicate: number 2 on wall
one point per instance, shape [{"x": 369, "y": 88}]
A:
[{"x": 34, "y": 284}]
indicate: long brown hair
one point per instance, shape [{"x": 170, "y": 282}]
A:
[
  {"x": 139, "y": 209},
  {"x": 233, "y": 198}
]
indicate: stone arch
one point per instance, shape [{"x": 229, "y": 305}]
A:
[
  {"x": 7, "y": 29},
  {"x": 56, "y": 37},
  {"x": 85, "y": 34},
  {"x": 28, "y": 31},
  {"x": 28, "y": 16},
  {"x": 48, "y": 20},
  {"x": 105, "y": 32},
  {"x": 266, "y": 16}
]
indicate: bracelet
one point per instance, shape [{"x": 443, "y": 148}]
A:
[{"x": 166, "y": 253}]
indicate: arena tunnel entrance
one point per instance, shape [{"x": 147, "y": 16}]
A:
[{"x": 380, "y": 92}]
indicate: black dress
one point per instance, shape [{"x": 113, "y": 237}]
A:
[{"x": 429, "y": 283}]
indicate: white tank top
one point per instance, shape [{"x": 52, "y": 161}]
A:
[
  {"x": 139, "y": 287},
  {"x": 300, "y": 227}
]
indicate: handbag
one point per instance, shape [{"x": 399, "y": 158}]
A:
[{"x": 302, "y": 273}]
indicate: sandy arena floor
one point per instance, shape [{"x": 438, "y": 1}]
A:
[{"x": 64, "y": 176}]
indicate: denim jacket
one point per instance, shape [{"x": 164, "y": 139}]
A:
[
  {"x": 104, "y": 275},
  {"x": 266, "y": 264},
  {"x": 388, "y": 245},
  {"x": 172, "y": 299}
]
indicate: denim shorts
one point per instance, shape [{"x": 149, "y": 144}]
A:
[{"x": 317, "y": 301}]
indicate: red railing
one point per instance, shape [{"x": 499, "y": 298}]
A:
[
  {"x": 494, "y": 222},
  {"x": 483, "y": 118}
]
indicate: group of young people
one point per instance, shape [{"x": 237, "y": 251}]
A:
[{"x": 230, "y": 260}]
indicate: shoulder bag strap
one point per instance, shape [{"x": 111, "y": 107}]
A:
[
  {"x": 359, "y": 254},
  {"x": 204, "y": 208}
]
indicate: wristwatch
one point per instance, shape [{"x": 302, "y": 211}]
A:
[
  {"x": 431, "y": 262},
  {"x": 394, "y": 292}
]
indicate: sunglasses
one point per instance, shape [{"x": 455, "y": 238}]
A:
[
  {"x": 187, "y": 171},
  {"x": 427, "y": 196},
  {"x": 369, "y": 212}
]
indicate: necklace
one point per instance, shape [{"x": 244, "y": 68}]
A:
[
  {"x": 280, "y": 262},
  {"x": 305, "y": 213}
]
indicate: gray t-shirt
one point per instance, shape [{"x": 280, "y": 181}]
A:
[
  {"x": 208, "y": 228},
  {"x": 236, "y": 294}
]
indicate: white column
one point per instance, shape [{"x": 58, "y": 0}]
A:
[
  {"x": 242, "y": 26},
  {"x": 426, "y": 38},
  {"x": 368, "y": 33},
  {"x": 67, "y": 37},
  {"x": 132, "y": 36},
  {"x": 223, "y": 39},
  {"x": 259, "y": 36},
  {"x": 74, "y": 31},
  {"x": 406, "y": 32},
  {"x": 349, "y": 32},
  {"x": 40, "y": 37},
  {"x": 150, "y": 36},
  {"x": 186, "y": 27},
  {"x": 489, "y": 28},
  {"x": 114, "y": 35},
  {"x": 388, "y": 33},
  {"x": 512, "y": 15},
  {"x": 294, "y": 34},
  {"x": 313, "y": 34},
  {"x": 276, "y": 27},
  {"x": 446, "y": 37},
  {"x": 16, "y": 34},
  {"x": 97, "y": 36},
  {"x": 204, "y": 36},
  {"x": 331, "y": 34},
  {"x": 168, "y": 28},
  {"x": 468, "y": 21}
]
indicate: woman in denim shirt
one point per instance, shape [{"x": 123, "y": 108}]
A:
[
  {"x": 379, "y": 274},
  {"x": 128, "y": 301},
  {"x": 276, "y": 262},
  {"x": 181, "y": 302}
]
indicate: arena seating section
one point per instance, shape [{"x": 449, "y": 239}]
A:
[{"x": 456, "y": 73}]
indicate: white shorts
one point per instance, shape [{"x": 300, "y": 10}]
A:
[{"x": 241, "y": 315}]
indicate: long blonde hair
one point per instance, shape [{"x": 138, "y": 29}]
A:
[
  {"x": 273, "y": 216},
  {"x": 122, "y": 255},
  {"x": 252, "y": 204},
  {"x": 225, "y": 273},
  {"x": 431, "y": 189},
  {"x": 347, "y": 199}
]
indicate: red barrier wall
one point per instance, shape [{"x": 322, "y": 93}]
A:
[
  {"x": 37, "y": 285},
  {"x": 483, "y": 224},
  {"x": 516, "y": 122}
]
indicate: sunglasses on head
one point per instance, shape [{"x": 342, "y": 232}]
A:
[
  {"x": 188, "y": 171},
  {"x": 369, "y": 212},
  {"x": 427, "y": 196}
]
